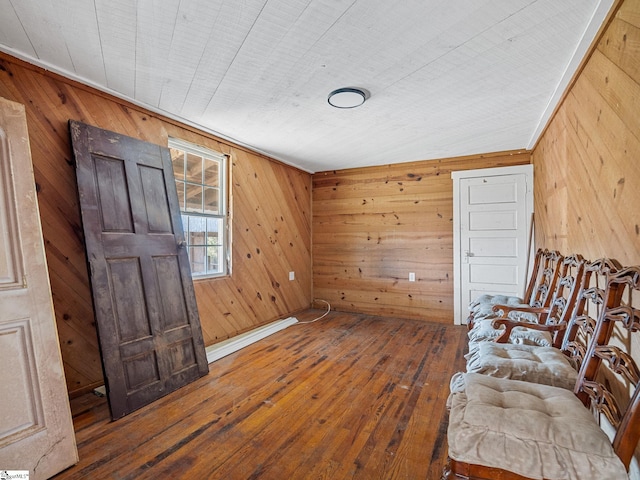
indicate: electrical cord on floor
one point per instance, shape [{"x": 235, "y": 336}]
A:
[{"x": 321, "y": 316}]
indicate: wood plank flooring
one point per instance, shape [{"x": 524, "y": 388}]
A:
[{"x": 350, "y": 396}]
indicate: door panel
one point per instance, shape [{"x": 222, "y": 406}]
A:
[
  {"x": 148, "y": 324},
  {"x": 492, "y": 193},
  {"x": 24, "y": 412},
  {"x": 113, "y": 197},
  {"x": 155, "y": 200},
  {"x": 36, "y": 430},
  {"x": 493, "y": 274},
  {"x": 174, "y": 309},
  {"x": 492, "y": 220},
  {"x": 494, "y": 247}
]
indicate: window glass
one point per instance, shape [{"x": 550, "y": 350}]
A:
[{"x": 201, "y": 188}]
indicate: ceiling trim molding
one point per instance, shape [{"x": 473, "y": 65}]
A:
[{"x": 590, "y": 37}]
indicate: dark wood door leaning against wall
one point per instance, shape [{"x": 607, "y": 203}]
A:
[{"x": 146, "y": 314}]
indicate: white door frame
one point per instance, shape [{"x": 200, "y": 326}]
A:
[{"x": 459, "y": 315}]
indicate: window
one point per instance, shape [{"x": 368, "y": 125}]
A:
[{"x": 202, "y": 193}]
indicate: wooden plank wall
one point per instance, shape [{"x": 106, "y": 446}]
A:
[
  {"x": 587, "y": 163},
  {"x": 374, "y": 225},
  {"x": 271, "y": 225}
]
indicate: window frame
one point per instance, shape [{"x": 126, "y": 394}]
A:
[{"x": 224, "y": 213}]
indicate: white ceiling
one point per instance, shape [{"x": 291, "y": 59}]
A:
[{"x": 446, "y": 77}]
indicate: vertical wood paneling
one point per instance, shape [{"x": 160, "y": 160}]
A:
[
  {"x": 586, "y": 165},
  {"x": 271, "y": 207},
  {"x": 372, "y": 226}
]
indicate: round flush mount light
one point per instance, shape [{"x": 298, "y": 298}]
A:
[{"x": 347, "y": 97}]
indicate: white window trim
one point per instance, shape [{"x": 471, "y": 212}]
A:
[{"x": 224, "y": 182}]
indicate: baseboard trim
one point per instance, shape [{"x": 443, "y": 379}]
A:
[{"x": 227, "y": 347}]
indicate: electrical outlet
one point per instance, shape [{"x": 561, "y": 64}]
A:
[
  {"x": 292, "y": 275},
  {"x": 412, "y": 276}
]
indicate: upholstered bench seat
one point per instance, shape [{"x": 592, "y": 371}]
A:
[
  {"x": 545, "y": 365},
  {"x": 533, "y": 430}
]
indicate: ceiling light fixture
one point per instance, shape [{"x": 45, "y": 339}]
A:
[{"x": 347, "y": 97}]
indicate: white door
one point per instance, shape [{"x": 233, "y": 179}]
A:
[
  {"x": 36, "y": 430},
  {"x": 493, "y": 211}
]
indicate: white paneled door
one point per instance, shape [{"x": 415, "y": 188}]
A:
[
  {"x": 36, "y": 430},
  {"x": 493, "y": 211}
]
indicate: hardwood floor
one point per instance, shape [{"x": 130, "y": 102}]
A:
[{"x": 349, "y": 396}]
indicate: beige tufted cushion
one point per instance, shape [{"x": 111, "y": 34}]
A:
[
  {"x": 537, "y": 431},
  {"x": 490, "y": 300},
  {"x": 545, "y": 365}
]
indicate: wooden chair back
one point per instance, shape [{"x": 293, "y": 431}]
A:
[
  {"x": 609, "y": 378},
  {"x": 565, "y": 277},
  {"x": 588, "y": 308},
  {"x": 565, "y": 294},
  {"x": 536, "y": 268},
  {"x": 542, "y": 282},
  {"x": 549, "y": 271}
]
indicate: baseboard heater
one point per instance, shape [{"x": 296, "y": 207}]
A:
[{"x": 227, "y": 347}]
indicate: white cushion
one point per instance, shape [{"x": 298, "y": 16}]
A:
[
  {"x": 533, "y": 430},
  {"x": 545, "y": 365}
]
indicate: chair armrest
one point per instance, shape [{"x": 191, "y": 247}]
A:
[
  {"x": 510, "y": 324},
  {"x": 470, "y": 321},
  {"x": 515, "y": 308},
  {"x": 541, "y": 312}
]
